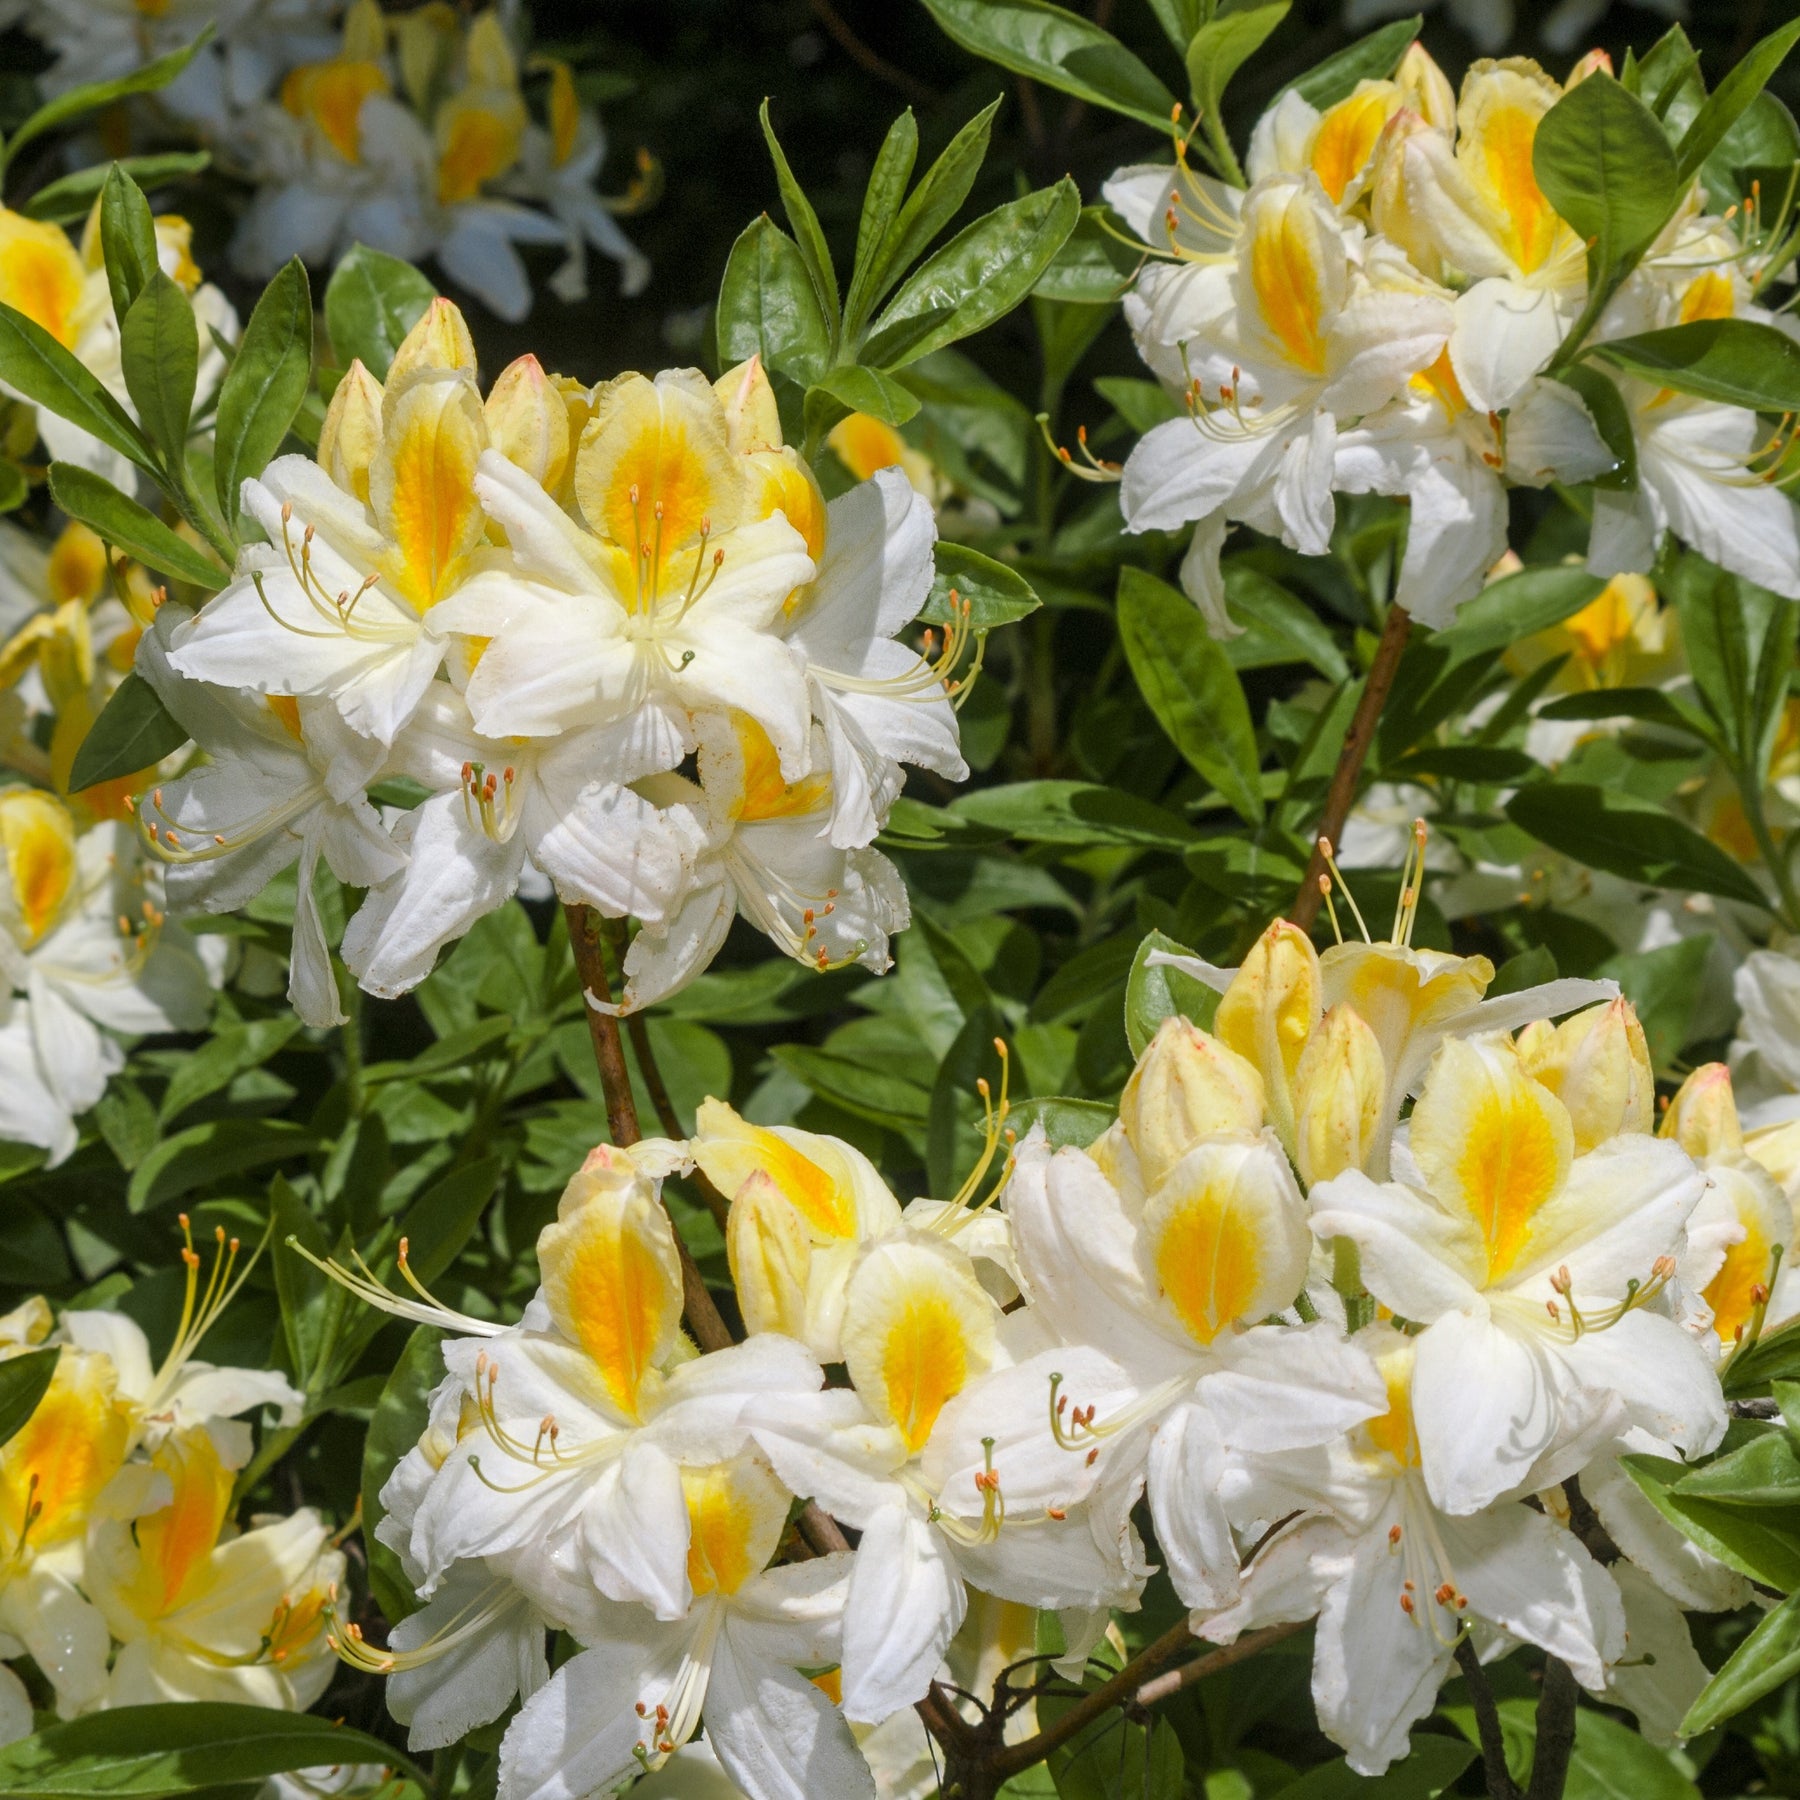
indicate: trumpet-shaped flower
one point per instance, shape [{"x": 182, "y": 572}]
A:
[
  {"x": 1396, "y": 1581},
  {"x": 1530, "y": 1268},
  {"x": 630, "y": 1701},
  {"x": 584, "y": 1420},
  {"x": 202, "y": 1613},
  {"x": 920, "y": 1331}
]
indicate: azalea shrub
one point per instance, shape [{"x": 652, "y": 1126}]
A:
[{"x": 1031, "y": 1029}]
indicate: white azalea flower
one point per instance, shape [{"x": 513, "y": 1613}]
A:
[
  {"x": 1530, "y": 1268},
  {"x": 642, "y": 1689}
]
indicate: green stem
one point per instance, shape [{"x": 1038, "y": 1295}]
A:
[{"x": 1223, "y": 155}]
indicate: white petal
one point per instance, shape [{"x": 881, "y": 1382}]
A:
[{"x": 905, "y": 1603}]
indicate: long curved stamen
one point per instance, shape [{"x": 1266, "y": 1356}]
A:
[
  {"x": 1337, "y": 875},
  {"x": 1097, "y": 469},
  {"x": 1564, "y": 1311},
  {"x": 957, "y": 1211},
  {"x": 1076, "y": 1428},
  {"x": 490, "y": 801},
  {"x": 337, "y": 612},
  {"x": 676, "y": 1718},
  {"x": 372, "y": 1293},
  {"x": 993, "y": 1506},
  {"x": 933, "y": 676},
  {"x": 200, "y": 1310},
  {"x": 168, "y": 839},
  {"x": 346, "y": 1638}
]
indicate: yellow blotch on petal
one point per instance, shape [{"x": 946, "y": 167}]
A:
[
  {"x": 612, "y": 1276},
  {"x": 864, "y": 444},
  {"x": 736, "y": 1513},
  {"x": 1226, "y": 1234},
  {"x": 175, "y": 1541},
  {"x": 528, "y": 423},
  {"x": 766, "y": 795},
  {"x": 287, "y": 709},
  {"x": 1399, "y": 991},
  {"x": 1497, "y": 121},
  {"x": 1744, "y": 1279},
  {"x": 330, "y": 96},
  {"x": 477, "y": 141},
  {"x": 77, "y": 569},
  {"x": 1492, "y": 1144},
  {"x": 1287, "y": 265},
  {"x": 813, "y": 1174},
  {"x": 1615, "y": 620},
  {"x": 54, "y": 1466},
  {"x": 41, "y": 274},
  {"x": 1270, "y": 1010},
  {"x": 1345, "y": 137},
  {"x": 1187, "y": 1085},
  {"x": 1393, "y": 1433},
  {"x": 351, "y": 435},
  {"x": 37, "y": 838},
  {"x": 422, "y": 485},
  {"x": 1710, "y": 296},
  {"x": 917, "y": 1329},
  {"x": 781, "y": 483},
  {"x": 1440, "y": 383},
  {"x": 564, "y": 107}
]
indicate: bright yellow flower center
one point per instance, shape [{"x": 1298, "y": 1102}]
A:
[{"x": 40, "y": 274}]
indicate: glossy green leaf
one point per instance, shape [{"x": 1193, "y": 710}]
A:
[
  {"x": 1157, "y": 992},
  {"x": 809, "y": 235},
  {"x": 1612, "y": 419},
  {"x": 371, "y": 302},
  {"x": 869, "y": 391},
  {"x": 1603, "y": 161},
  {"x": 127, "y": 526},
  {"x": 91, "y": 97},
  {"x": 1277, "y": 628},
  {"x": 934, "y": 202},
  {"x": 1765, "y": 1472},
  {"x": 399, "y": 1421},
  {"x": 1433, "y": 1764},
  {"x": 1191, "y": 687},
  {"x": 954, "y": 1119},
  {"x": 1065, "y": 1121},
  {"x": 36, "y": 366},
  {"x": 1508, "y": 610},
  {"x": 1774, "y": 1356},
  {"x": 1371, "y": 58},
  {"x": 1764, "y": 1546},
  {"x": 1059, "y": 48},
  {"x": 134, "y": 731},
  {"x": 1078, "y": 814},
  {"x": 1766, "y": 1659},
  {"x": 767, "y": 307},
  {"x": 868, "y": 1092},
  {"x": 24, "y": 1380},
  {"x": 1740, "y": 85},
  {"x": 978, "y": 277},
  {"x": 1180, "y": 19},
  {"x": 225, "y": 1056},
  {"x": 127, "y": 240},
  {"x": 994, "y": 592},
  {"x": 205, "y": 1153},
  {"x": 1652, "y": 705},
  {"x": 270, "y": 376},
  {"x": 1222, "y": 46},
  {"x": 882, "y": 200},
  {"x": 183, "y": 1747},
  {"x": 72, "y": 197},
  {"x": 159, "y": 345},
  {"x": 1093, "y": 268},
  {"x": 1612, "y": 830},
  {"x": 1737, "y": 361}
]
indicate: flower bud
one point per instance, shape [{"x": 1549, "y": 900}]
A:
[
  {"x": 528, "y": 422},
  {"x": 1270, "y": 1010},
  {"x": 1186, "y": 1086},
  {"x": 437, "y": 344},
  {"x": 351, "y": 433},
  {"x": 1596, "y": 62},
  {"x": 768, "y": 1247},
  {"x": 752, "y": 421},
  {"x": 1703, "y": 1116},
  {"x": 1394, "y": 172},
  {"x": 1598, "y": 1065},
  {"x": 1339, "y": 1089},
  {"x": 1426, "y": 87}
]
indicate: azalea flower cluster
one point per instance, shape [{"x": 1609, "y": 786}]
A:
[
  {"x": 126, "y": 1580},
  {"x": 1352, "y": 1362},
  {"x": 615, "y": 637},
  {"x": 1376, "y": 314}
]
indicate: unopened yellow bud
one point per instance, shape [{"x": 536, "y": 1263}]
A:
[
  {"x": 1426, "y": 87},
  {"x": 351, "y": 434},
  {"x": 528, "y": 422},
  {"x": 1270, "y": 1010},
  {"x": 1703, "y": 1116},
  {"x": 425, "y": 39},
  {"x": 437, "y": 344},
  {"x": 1340, "y": 1088},
  {"x": 1392, "y": 185},
  {"x": 26, "y": 1326},
  {"x": 77, "y": 568},
  {"x": 770, "y": 1250},
  {"x": 365, "y": 32},
  {"x": 1186, "y": 1086},
  {"x": 1596, "y": 62},
  {"x": 490, "y": 55},
  {"x": 752, "y": 420},
  {"x": 1598, "y": 1065}
]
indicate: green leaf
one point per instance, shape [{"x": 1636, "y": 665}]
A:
[
  {"x": 159, "y": 346},
  {"x": 869, "y": 1093},
  {"x": 978, "y": 277},
  {"x": 440, "y": 1222},
  {"x": 1612, "y": 419},
  {"x": 1121, "y": 1757},
  {"x": 1153, "y": 994},
  {"x": 934, "y": 202},
  {"x": 72, "y": 197},
  {"x": 1516, "y": 606},
  {"x": 767, "y": 307},
  {"x": 1060, "y": 49},
  {"x": 127, "y": 240},
  {"x": 995, "y": 593},
  {"x": 1491, "y": 765},
  {"x": 953, "y": 1135},
  {"x": 1180, "y": 19},
  {"x": 1765, "y": 1472},
  {"x": 134, "y": 731},
  {"x": 97, "y": 94},
  {"x": 1077, "y": 814},
  {"x": 1774, "y": 1355},
  {"x": 1093, "y": 268},
  {"x": 208, "y": 1152},
  {"x": 1603, "y": 161},
  {"x": 1433, "y": 1764},
  {"x": 1651, "y": 705},
  {"x": 269, "y": 377},
  {"x": 882, "y": 200},
  {"x": 23, "y": 1383},
  {"x": 222, "y": 1058},
  {"x": 1065, "y": 1121},
  {"x": 1612, "y": 830},
  {"x": 1739, "y": 641},
  {"x": 398, "y": 1423},
  {"x": 1222, "y": 46},
  {"x": 809, "y": 235},
  {"x": 1762, "y": 1546},
  {"x": 371, "y": 302},
  {"x": 1371, "y": 58},
  {"x": 1737, "y": 361},
  {"x": 15, "y": 490},
  {"x": 1277, "y": 627},
  {"x": 1762, "y": 146},
  {"x": 38, "y": 368},
  {"x": 868, "y": 391},
  {"x": 1191, "y": 687},
  {"x": 1758, "y": 1666},
  {"x": 127, "y": 526},
  {"x": 178, "y": 1748},
  {"x": 1742, "y": 83}
]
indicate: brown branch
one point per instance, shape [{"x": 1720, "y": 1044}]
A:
[
  {"x": 1165, "y": 1686},
  {"x": 1555, "y": 1732},
  {"x": 1500, "y": 1784},
  {"x": 920, "y": 93},
  {"x": 1342, "y": 792}
]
